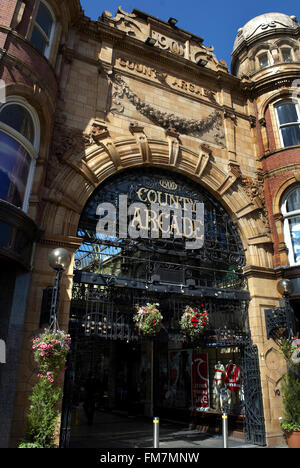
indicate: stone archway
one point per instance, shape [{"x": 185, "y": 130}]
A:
[
  {"x": 102, "y": 156},
  {"x": 82, "y": 163}
]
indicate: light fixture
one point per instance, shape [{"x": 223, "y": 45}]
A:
[
  {"x": 150, "y": 41},
  {"x": 59, "y": 260},
  {"x": 172, "y": 21},
  {"x": 285, "y": 287},
  {"x": 202, "y": 62}
]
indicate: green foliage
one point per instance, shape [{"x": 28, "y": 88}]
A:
[
  {"x": 286, "y": 348},
  {"x": 291, "y": 401},
  {"x": 29, "y": 445},
  {"x": 193, "y": 322},
  {"x": 50, "y": 352},
  {"x": 148, "y": 319},
  {"x": 43, "y": 413}
]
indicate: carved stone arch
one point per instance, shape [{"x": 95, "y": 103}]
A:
[
  {"x": 265, "y": 46},
  {"x": 283, "y": 93},
  {"x": 286, "y": 41},
  {"x": 288, "y": 183},
  {"x": 73, "y": 186}
]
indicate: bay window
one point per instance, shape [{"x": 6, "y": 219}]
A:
[
  {"x": 19, "y": 144},
  {"x": 288, "y": 120},
  {"x": 291, "y": 224},
  {"x": 43, "y": 29}
]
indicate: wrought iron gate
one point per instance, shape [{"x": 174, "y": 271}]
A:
[
  {"x": 254, "y": 421},
  {"x": 112, "y": 274}
]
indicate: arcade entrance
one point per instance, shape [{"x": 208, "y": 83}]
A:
[{"x": 112, "y": 367}]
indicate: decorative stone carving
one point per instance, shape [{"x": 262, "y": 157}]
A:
[
  {"x": 205, "y": 154},
  {"x": 255, "y": 190},
  {"x": 166, "y": 120},
  {"x": 174, "y": 147},
  {"x": 101, "y": 136},
  {"x": 65, "y": 142},
  {"x": 138, "y": 131},
  {"x": 230, "y": 114}
]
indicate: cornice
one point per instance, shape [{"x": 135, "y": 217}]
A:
[{"x": 122, "y": 41}]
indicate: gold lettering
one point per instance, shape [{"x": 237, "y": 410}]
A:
[
  {"x": 188, "y": 230},
  {"x": 139, "y": 194},
  {"x": 152, "y": 222},
  {"x": 162, "y": 224},
  {"x": 150, "y": 198},
  {"x": 174, "y": 228}
]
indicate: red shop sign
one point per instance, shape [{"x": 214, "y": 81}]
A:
[{"x": 200, "y": 381}]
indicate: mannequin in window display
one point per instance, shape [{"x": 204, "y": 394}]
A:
[
  {"x": 232, "y": 380},
  {"x": 219, "y": 371}
]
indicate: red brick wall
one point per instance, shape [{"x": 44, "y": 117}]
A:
[
  {"x": 7, "y": 9},
  {"x": 279, "y": 161},
  {"x": 34, "y": 60}
]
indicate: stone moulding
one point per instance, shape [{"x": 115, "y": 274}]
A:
[{"x": 166, "y": 120}]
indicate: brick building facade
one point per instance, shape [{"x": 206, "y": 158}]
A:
[{"x": 89, "y": 101}]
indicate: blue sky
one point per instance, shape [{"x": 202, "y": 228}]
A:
[{"x": 215, "y": 21}]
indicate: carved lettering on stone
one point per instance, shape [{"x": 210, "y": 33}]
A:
[
  {"x": 167, "y": 43},
  {"x": 166, "y": 120}
]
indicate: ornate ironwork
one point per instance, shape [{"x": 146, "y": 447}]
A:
[
  {"x": 254, "y": 421},
  {"x": 113, "y": 274},
  {"x": 280, "y": 321},
  {"x": 159, "y": 260},
  {"x": 107, "y": 311}
]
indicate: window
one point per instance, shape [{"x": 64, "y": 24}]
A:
[
  {"x": 43, "y": 29},
  {"x": 19, "y": 143},
  {"x": 286, "y": 54},
  {"x": 263, "y": 60},
  {"x": 289, "y": 123},
  {"x": 291, "y": 224}
]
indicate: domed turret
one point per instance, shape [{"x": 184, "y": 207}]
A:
[{"x": 264, "y": 41}]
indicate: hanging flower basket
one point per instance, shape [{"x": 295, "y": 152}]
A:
[
  {"x": 193, "y": 322},
  {"x": 295, "y": 357},
  {"x": 50, "y": 351},
  {"x": 148, "y": 319}
]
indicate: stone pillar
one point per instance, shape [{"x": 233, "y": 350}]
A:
[{"x": 263, "y": 289}]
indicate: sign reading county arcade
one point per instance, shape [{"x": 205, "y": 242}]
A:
[
  {"x": 157, "y": 209},
  {"x": 156, "y": 214}
]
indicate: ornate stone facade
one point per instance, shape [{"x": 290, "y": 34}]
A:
[{"x": 109, "y": 101}]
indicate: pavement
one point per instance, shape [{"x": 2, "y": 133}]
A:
[{"x": 118, "y": 431}]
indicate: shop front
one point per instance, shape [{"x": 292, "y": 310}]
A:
[{"x": 174, "y": 263}]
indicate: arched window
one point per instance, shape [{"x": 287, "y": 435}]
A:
[
  {"x": 19, "y": 144},
  {"x": 43, "y": 29},
  {"x": 288, "y": 120},
  {"x": 290, "y": 209}
]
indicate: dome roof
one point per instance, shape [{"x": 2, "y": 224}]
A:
[{"x": 265, "y": 25}]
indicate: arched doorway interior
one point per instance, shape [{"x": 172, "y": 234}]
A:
[{"x": 112, "y": 367}]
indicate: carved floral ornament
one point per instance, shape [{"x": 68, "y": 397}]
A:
[{"x": 164, "y": 119}]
